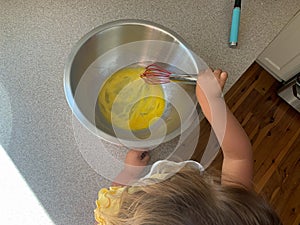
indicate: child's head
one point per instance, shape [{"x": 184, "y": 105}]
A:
[{"x": 190, "y": 198}]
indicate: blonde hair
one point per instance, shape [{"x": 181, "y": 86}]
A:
[{"x": 190, "y": 198}]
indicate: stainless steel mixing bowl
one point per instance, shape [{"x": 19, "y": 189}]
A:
[{"x": 118, "y": 44}]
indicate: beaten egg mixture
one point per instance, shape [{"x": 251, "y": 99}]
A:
[{"x": 127, "y": 102}]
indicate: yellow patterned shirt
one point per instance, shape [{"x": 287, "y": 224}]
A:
[{"x": 107, "y": 203}]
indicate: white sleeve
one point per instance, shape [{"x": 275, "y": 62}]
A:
[{"x": 164, "y": 169}]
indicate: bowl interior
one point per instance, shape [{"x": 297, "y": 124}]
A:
[{"x": 114, "y": 46}]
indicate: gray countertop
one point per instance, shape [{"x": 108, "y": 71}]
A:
[{"x": 36, "y": 37}]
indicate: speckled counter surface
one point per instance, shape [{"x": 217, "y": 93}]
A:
[{"x": 36, "y": 37}]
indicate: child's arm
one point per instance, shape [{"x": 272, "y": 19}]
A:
[
  {"x": 135, "y": 162},
  {"x": 238, "y": 163}
]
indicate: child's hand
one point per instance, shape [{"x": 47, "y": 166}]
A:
[
  {"x": 210, "y": 84},
  {"x": 137, "y": 158},
  {"x": 135, "y": 162},
  {"x": 209, "y": 89}
]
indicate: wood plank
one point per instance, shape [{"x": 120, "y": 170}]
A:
[
  {"x": 282, "y": 188},
  {"x": 279, "y": 142}
]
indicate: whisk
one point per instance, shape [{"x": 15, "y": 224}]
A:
[{"x": 155, "y": 74}]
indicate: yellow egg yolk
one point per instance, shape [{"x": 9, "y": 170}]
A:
[{"x": 127, "y": 102}]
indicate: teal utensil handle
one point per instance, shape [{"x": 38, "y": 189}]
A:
[{"x": 235, "y": 23}]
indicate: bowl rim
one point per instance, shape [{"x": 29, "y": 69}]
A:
[{"x": 70, "y": 98}]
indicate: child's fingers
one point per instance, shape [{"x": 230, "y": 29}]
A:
[
  {"x": 209, "y": 85},
  {"x": 142, "y": 156},
  {"x": 139, "y": 155},
  {"x": 145, "y": 156}
]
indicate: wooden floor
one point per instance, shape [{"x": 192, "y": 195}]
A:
[{"x": 274, "y": 129}]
